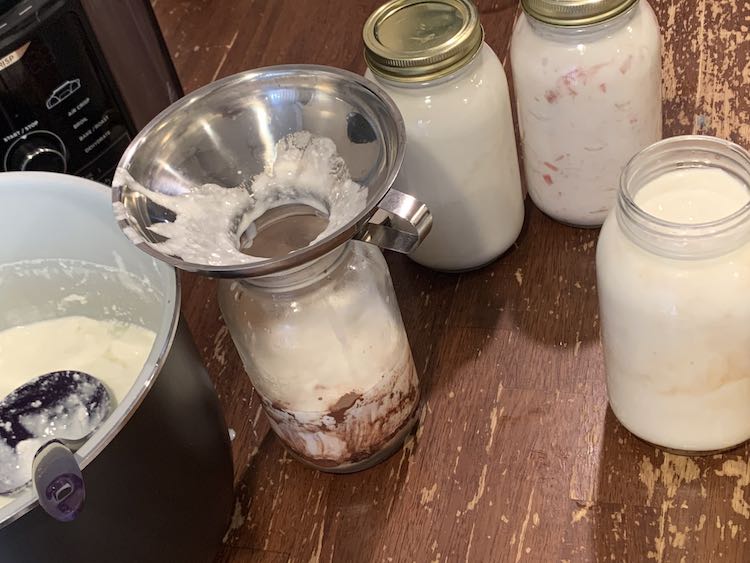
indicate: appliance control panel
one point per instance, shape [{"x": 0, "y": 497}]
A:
[
  {"x": 59, "y": 110},
  {"x": 37, "y": 150}
]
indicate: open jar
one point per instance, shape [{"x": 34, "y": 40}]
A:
[
  {"x": 326, "y": 350},
  {"x": 673, "y": 269}
]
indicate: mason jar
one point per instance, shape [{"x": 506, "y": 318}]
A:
[
  {"x": 587, "y": 78},
  {"x": 673, "y": 268},
  {"x": 460, "y": 155},
  {"x": 325, "y": 348}
]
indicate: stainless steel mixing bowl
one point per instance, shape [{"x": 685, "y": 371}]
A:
[{"x": 225, "y": 132}]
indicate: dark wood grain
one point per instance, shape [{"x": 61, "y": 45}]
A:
[{"x": 516, "y": 457}]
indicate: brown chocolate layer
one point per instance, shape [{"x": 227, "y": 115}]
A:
[
  {"x": 390, "y": 409},
  {"x": 360, "y": 455}
]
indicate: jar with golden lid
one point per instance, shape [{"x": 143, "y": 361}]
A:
[
  {"x": 460, "y": 157},
  {"x": 587, "y": 78}
]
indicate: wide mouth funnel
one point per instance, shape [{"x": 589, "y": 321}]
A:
[{"x": 227, "y": 133}]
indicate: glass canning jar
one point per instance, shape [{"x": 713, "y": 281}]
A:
[
  {"x": 673, "y": 268},
  {"x": 326, "y": 350},
  {"x": 587, "y": 79},
  {"x": 461, "y": 157}
]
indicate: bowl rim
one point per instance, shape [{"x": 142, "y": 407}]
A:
[{"x": 301, "y": 255}]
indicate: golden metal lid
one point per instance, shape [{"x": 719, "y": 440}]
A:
[
  {"x": 575, "y": 12},
  {"x": 421, "y": 40}
]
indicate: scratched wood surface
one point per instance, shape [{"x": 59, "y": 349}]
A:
[{"x": 516, "y": 457}]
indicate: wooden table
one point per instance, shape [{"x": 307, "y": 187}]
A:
[{"x": 516, "y": 457}]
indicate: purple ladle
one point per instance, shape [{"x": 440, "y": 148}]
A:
[{"x": 41, "y": 424}]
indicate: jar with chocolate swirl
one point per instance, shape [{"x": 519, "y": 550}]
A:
[{"x": 326, "y": 350}]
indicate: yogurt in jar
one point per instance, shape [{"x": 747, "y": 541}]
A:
[
  {"x": 460, "y": 158},
  {"x": 326, "y": 350},
  {"x": 673, "y": 267},
  {"x": 588, "y": 99}
]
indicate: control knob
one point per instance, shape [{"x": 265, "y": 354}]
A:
[{"x": 39, "y": 150}]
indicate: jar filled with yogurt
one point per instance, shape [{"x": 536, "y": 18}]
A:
[
  {"x": 326, "y": 350},
  {"x": 673, "y": 268},
  {"x": 460, "y": 158},
  {"x": 587, "y": 78}
]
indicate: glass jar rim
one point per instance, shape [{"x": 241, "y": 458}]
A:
[
  {"x": 641, "y": 223},
  {"x": 303, "y": 275}
]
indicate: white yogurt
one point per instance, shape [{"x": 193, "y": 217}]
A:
[
  {"x": 692, "y": 196},
  {"x": 588, "y": 99},
  {"x": 210, "y": 219},
  {"x": 461, "y": 161},
  {"x": 311, "y": 365},
  {"x": 113, "y": 351},
  {"x": 676, "y": 330}
]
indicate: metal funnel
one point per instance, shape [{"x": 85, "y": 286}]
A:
[{"x": 225, "y": 133}]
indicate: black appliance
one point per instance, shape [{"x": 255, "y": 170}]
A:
[{"x": 78, "y": 79}]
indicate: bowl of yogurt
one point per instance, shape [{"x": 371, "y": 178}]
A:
[{"x": 76, "y": 295}]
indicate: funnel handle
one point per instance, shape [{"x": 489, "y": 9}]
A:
[{"x": 400, "y": 223}]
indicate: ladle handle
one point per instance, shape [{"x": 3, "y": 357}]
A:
[
  {"x": 400, "y": 223},
  {"x": 58, "y": 481}
]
